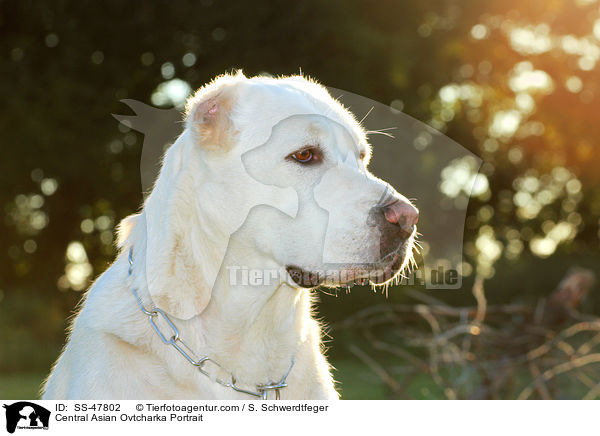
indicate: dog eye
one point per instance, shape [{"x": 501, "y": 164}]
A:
[
  {"x": 303, "y": 156},
  {"x": 307, "y": 155}
]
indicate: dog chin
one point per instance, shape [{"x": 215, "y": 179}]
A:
[
  {"x": 390, "y": 271},
  {"x": 377, "y": 274}
]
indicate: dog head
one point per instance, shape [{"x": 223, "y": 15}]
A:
[{"x": 282, "y": 166}]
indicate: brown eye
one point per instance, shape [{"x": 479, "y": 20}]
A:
[{"x": 303, "y": 156}]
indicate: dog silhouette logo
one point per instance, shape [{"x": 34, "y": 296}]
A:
[{"x": 26, "y": 415}]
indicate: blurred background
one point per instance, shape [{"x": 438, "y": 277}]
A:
[{"x": 516, "y": 83}]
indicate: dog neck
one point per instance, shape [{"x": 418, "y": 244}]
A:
[
  {"x": 254, "y": 323},
  {"x": 254, "y": 331}
]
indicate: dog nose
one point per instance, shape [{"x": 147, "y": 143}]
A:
[{"x": 403, "y": 214}]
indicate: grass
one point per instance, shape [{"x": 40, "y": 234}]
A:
[
  {"x": 355, "y": 381},
  {"x": 21, "y": 386}
]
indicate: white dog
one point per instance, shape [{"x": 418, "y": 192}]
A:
[{"x": 263, "y": 196}]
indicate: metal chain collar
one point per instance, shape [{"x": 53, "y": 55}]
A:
[{"x": 262, "y": 391}]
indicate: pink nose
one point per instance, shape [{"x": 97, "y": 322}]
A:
[{"x": 402, "y": 214}]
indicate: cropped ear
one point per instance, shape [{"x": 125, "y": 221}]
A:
[{"x": 208, "y": 113}]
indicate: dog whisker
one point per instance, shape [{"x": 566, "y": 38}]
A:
[
  {"x": 366, "y": 115},
  {"x": 377, "y": 132},
  {"x": 384, "y": 129}
]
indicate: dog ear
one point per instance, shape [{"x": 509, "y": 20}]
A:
[{"x": 208, "y": 113}]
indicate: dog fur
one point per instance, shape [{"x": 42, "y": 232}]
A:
[{"x": 229, "y": 194}]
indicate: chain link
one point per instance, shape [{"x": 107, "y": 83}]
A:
[{"x": 262, "y": 391}]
